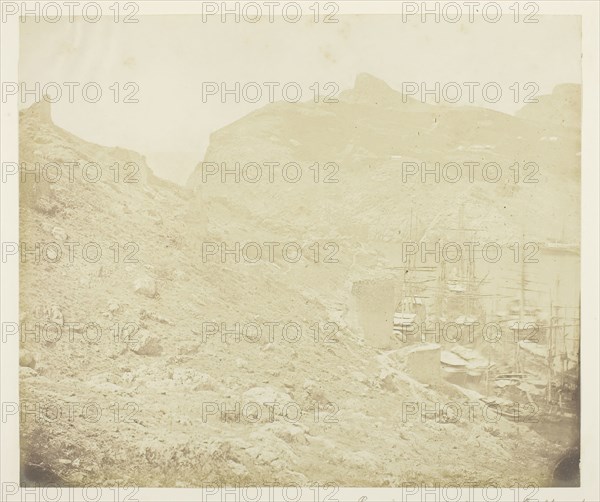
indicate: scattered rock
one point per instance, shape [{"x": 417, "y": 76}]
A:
[
  {"x": 113, "y": 307},
  {"x": 45, "y": 205},
  {"x": 220, "y": 450},
  {"x": 315, "y": 392},
  {"x": 145, "y": 314},
  {"x": 145, "y": 344},
  {"x": 51, "y": 253},
  {"x": 145, "y": 286},
  {"x": 262, "y": 395},
  {"x": 59, "y": 234},
  {"x": 56, "y": 315},
  {"x": 107, "y": 387},
  {"x": 388, "y": 382},
  {"x": 238, "y": 469},
  {"x": 363, "y": 460},
  {"x": 128, "y": 377},
  {"x": 189, "y": 349},
  {"x": 270, "y": 450},
  {"x": 27, "y": 359},
  {"x": 26, "y": 372},
  {"x": 289, "y": 432},
  {"x": 194, "y": 379},
  {"x": 179, "y": 275},
  {"x": 185, "y": 421}
]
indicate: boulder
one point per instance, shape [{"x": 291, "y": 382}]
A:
[
  {"x": 191, "y": 378},
  {"x": 59, "y": 234},
  {"x": 145, "y": 286},
  {"x": 145, "y": 343},
  {"x": 27, "y": 359},
  {"x": 267, "y": 449},
  {"x": 288, "y": 432}
]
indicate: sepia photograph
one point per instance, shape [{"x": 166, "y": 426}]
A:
[{"x": 284, "y": 251}]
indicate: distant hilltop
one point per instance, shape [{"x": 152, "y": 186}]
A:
[
  {"x": 374, "y": 121},
  {"x": 562, "y": 107}
]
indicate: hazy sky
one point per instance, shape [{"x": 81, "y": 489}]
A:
[{"x": 170, "y": 56}]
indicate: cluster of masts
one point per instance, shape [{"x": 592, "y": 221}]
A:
[{"x": 458, "y": 295}]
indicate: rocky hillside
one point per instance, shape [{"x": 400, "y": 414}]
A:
[
  {"x": 167, "y": 392},
  {"x": 372, "y": 131}
]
